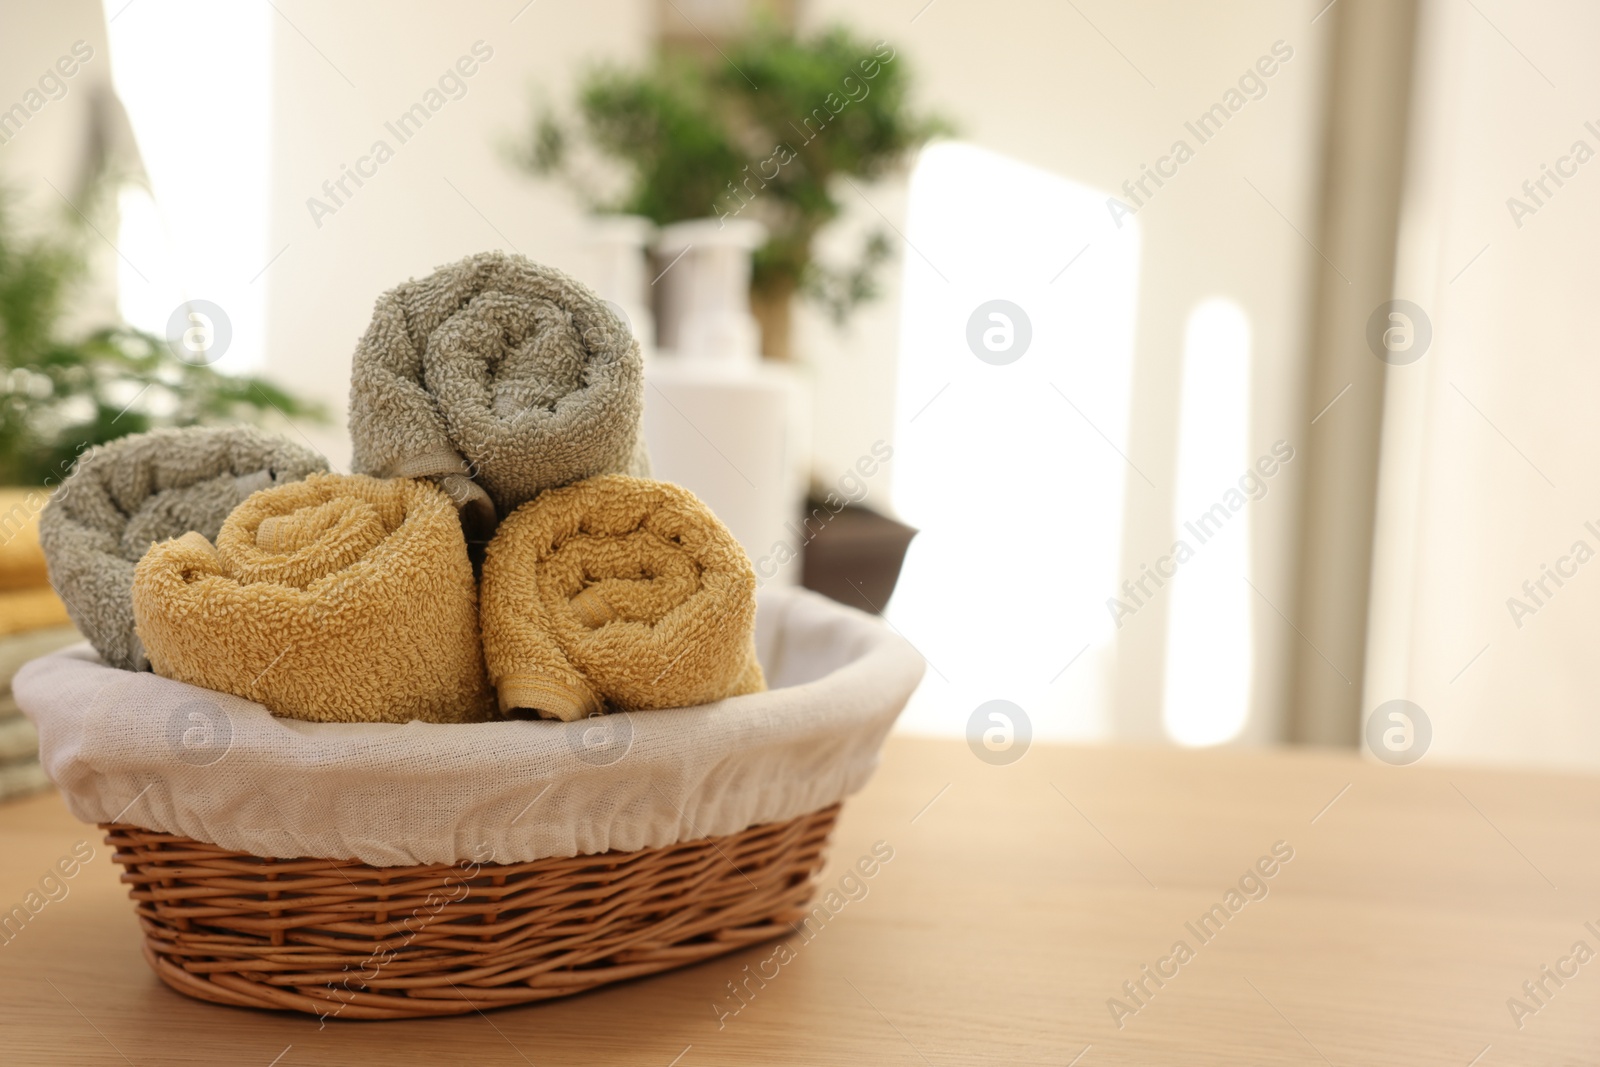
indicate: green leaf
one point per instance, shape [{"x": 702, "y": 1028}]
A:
[
  {"x": 766, "y": 131},
  {"x": 61, "y": 393}
]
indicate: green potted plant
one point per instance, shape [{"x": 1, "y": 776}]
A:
[{"x": 767, "y": 135}]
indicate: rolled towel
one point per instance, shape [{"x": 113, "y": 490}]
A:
[
  {"x": 148, "y": 487},
  {"x": 499, "y": 378},
  {"x": 22, "y": 564},
  {"x": 341, "y": 598},
  {"x": 22, "y": 611},
  {"x": 617, "y": 594}
]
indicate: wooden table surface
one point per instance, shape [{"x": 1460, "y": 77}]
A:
[{"x": 1019, "y": 900}]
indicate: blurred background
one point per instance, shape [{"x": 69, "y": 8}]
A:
[{"x": 1179, "y": 374}]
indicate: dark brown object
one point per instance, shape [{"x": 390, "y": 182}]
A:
[{"x": 855, "y": 556}]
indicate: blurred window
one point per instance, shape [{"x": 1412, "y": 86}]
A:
[
  {"x": 195, "y": 78},
  {"x": 1011, "y": 439},
  {"x": 1209, "y": 639}
]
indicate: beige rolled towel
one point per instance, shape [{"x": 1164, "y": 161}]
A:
[
  {"x": 22, "y": 562},
  {"x": 617, "y": 594},
  {"x": 341, "y": 598},
  {"x": 23, "y": 611}
]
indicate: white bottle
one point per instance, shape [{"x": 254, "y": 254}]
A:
[{"x": 706, "y": 303}]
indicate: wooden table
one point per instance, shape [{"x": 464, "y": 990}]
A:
[{"x": 1019, "y": 900}]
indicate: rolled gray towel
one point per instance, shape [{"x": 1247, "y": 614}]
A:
[
  {"x": 499, "y": 378},
  {"x": 143, "y": 488}
]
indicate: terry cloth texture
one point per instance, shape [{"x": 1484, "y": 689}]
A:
[
  {"x": 27, "y": 603},
  {"x": 499, "y": 378},
  {"x": 341, "y": 598},
  {"x": 148, "y": 487},
  {"x": 23, "y": 611},
  {"x": 143, "y": 749},
  {"x": 22, "y": 564},
  {"x": 617, "y": 593}
]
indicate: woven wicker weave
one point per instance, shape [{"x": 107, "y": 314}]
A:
[{"x": 341, "y": 938}]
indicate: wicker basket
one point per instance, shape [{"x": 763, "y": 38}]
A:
[
  {"x": 344, "y": 939},
  {"x": 397, "y": 927}
]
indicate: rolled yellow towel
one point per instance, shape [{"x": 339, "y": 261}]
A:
[
  {"x": 341, "y": 598},
  {"x": 617, "y": 594},
  {"x": 27, "y": 602},
  {"x": 25, "y": 610},
  {"x": 22, "y": 563}
]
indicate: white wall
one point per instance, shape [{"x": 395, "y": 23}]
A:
[
  {"x": 1489, "y": 472},
  {"x": 1038, "y": 82}
]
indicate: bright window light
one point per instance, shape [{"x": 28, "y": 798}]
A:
[
  {"x": 1011, "y": 470},
  {"x": 1209, "y": 641},
  {"x": 195, "y": 78}
]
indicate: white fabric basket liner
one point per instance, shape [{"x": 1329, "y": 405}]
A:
[{"x": 160, "y": 754}]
